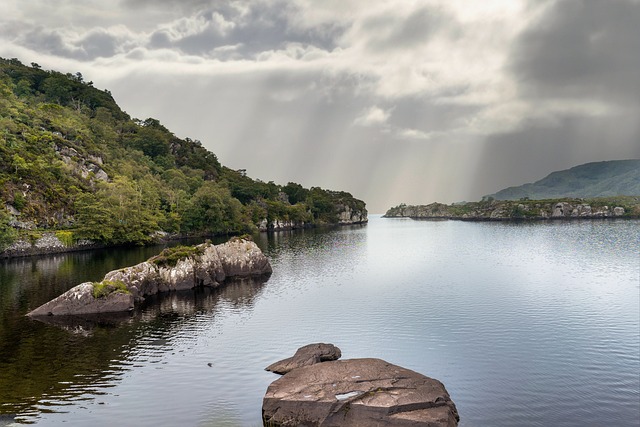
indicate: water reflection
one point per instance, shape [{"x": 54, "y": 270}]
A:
[
  {"x": 51, "y": 367},
  {"x": 50, "y": 363},
  {"x": 526, "y": 324}
]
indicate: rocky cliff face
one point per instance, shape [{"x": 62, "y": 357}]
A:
[
  {"x": 203, "y": 265},
  {"x": 346, "y": 216}
]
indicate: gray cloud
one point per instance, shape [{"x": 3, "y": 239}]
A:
[
  {"x": 394, "y": 102},
  {"x": 390, "y": 31},
  {"x": 576, "y": 67},
  {"x": 93, "y": 44},
  {"x": 258, "y": 28},
  {"x": 99, "y": 44},
  {"x": 172, "y": 4},
  {"x": 536, "y": 150},
  {"x": 51, "y": 41},
  {"x": 582, "y": 49},
  {"x": 422, "y": 114}
]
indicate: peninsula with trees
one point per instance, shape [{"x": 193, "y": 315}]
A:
[
  {"x": 77, "y": 171},
  {"x": 608, "y": 189}
]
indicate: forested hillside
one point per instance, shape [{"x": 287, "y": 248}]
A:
[{"x": 71, "y": 160}]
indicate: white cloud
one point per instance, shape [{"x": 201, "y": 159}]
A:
[
  {"x": 373, "y": 116},
  {"x": 415, "y": 134}
]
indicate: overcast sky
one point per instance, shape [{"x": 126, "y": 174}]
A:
[{"x": 405, "y": 101}]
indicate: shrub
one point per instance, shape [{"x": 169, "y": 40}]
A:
[
  {"x": 7, "y": 233},
  {"x": 169, "y": 257},
  {"x": 66, "y": 237}
]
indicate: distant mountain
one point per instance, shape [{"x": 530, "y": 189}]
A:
[{"x": 598, "y": 179}]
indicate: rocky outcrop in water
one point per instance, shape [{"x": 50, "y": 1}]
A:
[
  {"x": 174, "y": 269},
  {"x": 356, "y": 393}
]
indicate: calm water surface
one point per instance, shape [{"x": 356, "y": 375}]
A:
[{"x": 526, "y": 324}]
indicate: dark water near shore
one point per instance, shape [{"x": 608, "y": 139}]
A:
[{"x": 526, "y": 324}]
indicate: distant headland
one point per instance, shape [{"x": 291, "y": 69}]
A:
[{"x": 608, "y": 189}]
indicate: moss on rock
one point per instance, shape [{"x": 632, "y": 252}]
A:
[
  {"x": 169, "y": 257},
  {"x": 107, "y": 287}
]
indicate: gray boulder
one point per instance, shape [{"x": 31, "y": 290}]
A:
[
  {"x": 357, "y": 393},
  {"x": 306, "y": 356},
  {"x": 141, "y": 279},
  {"x": 241, "y": 258},
  {"x": 80, "y": 300}
]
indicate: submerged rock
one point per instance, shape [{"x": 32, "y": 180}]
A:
[
  {"x": 357, "y": 393},
  {"x": 179, "y": 269}
]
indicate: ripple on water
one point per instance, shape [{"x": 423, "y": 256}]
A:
[{"x": 525, "y": 324}]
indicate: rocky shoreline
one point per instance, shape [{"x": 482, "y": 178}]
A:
[
  {"x": 53, "y": 242},
  {"x": 47, "y": 243}
]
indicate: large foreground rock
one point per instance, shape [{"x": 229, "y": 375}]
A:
[
  {"x": 357, "y": 393},
  {"x": 203, "y": 265}
]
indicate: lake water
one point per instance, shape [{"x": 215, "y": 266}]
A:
[{"x": 527, "y": 324}]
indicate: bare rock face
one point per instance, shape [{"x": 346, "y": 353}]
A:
[
  {"x": 241, "y": 258},
  {"x": 207, "y": 265},
  {"x": 357, "y": 393},
  {"x": 141, "y": 279},
  {"x": 80, "y": 300},
  {"x": 306, "y": 356}
]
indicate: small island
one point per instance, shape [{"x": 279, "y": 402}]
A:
[{"x": 174, "y": 269}]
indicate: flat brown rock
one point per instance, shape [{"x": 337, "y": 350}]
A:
[
  {"x": 305, "y": 356},
  {"x": 357, "y": 393}
]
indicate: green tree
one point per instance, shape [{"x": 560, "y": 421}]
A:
[
  {"x": 116, "y": 213},
  {"x": 152, "y": 141},
  {"x": 7, "y": 233},
  {"x": 19, "y": 163},
  {"x": 23, "y": 88},
  {"x": 94, "y": 219},
  {"x": 212, "y": 209},
  {"x": 57, "y": 88},
  {"x": 295, "y": 192}
]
